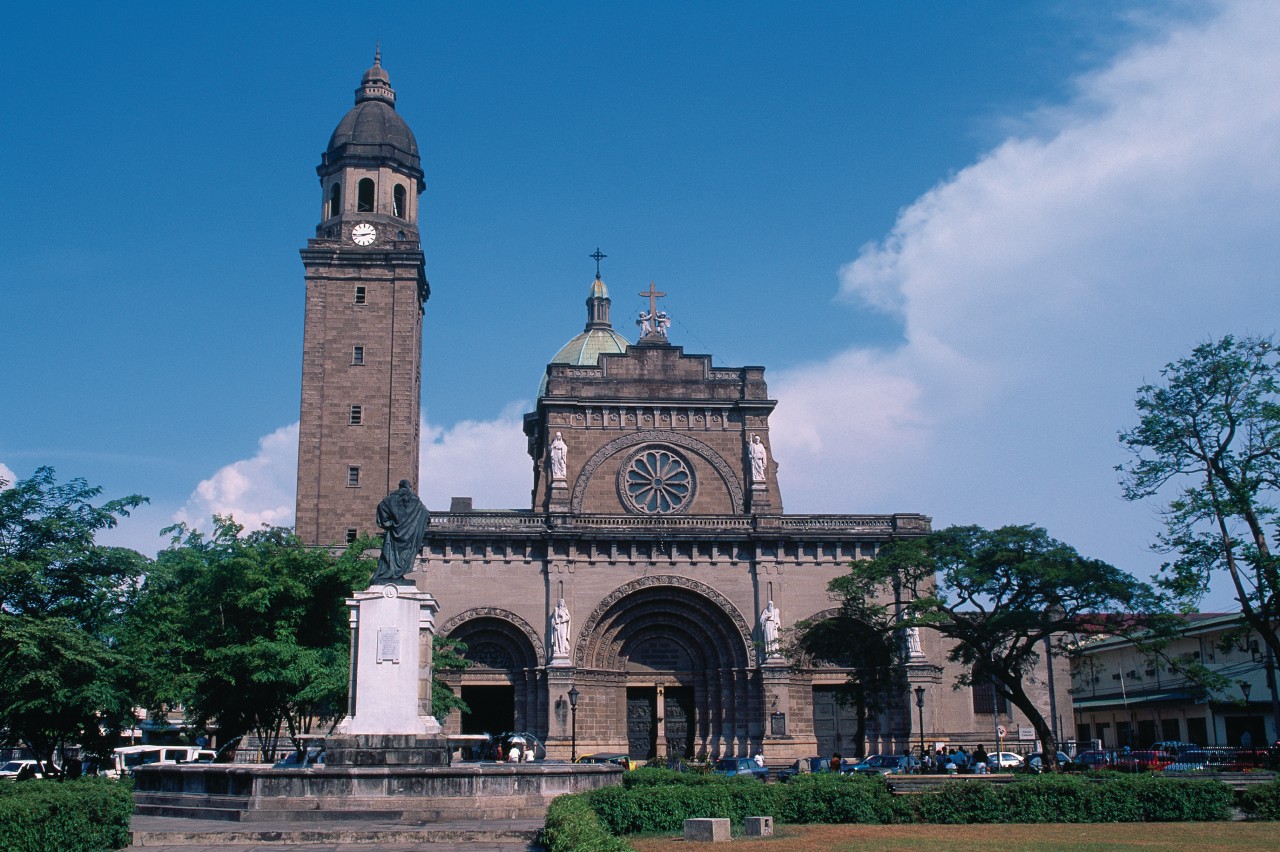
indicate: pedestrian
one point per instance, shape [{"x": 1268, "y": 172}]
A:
[
  {"x": 980, "y": 754},
  {"x": 835, "y": 762}
]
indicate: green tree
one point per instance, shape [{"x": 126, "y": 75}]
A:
[
  {"x": 255, "y": 631},
  {"x": 860, "y": 638},
  {"x": 1207, "y": 446},
  {"x": 446, "y": 655},
  {"x": 62, "y": 599},
  {"x": 1004, "y": 596}
]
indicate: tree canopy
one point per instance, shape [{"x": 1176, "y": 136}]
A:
[
  {"x": 62, "y": 599},
  {"x": 1005, "y": 597},
  {"x": 1207, "y": 447}
]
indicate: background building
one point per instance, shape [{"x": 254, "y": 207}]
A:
[{"x": 1122, "y": 698}]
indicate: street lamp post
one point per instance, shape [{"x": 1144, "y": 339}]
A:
[
  {"x": 920, "y": 706},
  {"x": 1245, "y": 689},
  {"x": 573, "y": 712}
]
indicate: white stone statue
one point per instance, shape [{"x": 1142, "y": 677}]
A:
[
  {"x": 914, "y": 648},
  {"x": 770, "y": 621},
  {"x": 758, "y": 459},
  {"x": 646, "y": 323},
  {"x": 560, "y": 631},
  {"x": 662, "y": 322},
  {"x": 559, "y": 457}
]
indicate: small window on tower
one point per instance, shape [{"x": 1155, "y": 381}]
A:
[
  {"x": 357, "y": 356},
  {"x": 335, "y": 200},
  {"x": 351, "y": 534},
  {"x": 353, "y": 476},
  {"x": 357, "y": 415},
  {"x": 364, "y": 196},
  {"x": 360, "y": 294},
  {"x": 397, "y": 201}
]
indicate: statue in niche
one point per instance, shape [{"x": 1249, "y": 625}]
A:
[
  {"x": 559, "y": 457},
  {"x": 759, "y": 459},
  {"x": 404, "y": 521},
  {"x": 560, "y": 623},
  {"x": 914, "y": 648},
  {"x": 770, "y": 622}
]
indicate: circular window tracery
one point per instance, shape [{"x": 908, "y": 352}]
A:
[{"x": 656, "y": 481}]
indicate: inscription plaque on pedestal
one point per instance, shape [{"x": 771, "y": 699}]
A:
[{"x": 389, "y": 644}]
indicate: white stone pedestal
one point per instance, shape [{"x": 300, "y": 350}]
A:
[{"x": 391, "y": 631}]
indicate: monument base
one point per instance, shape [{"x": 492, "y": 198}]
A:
[{"x": 386, "y": 750}]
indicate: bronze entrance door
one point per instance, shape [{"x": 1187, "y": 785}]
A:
[
  {"x": 677, "y": 721},
  {"x": 642, "y": 721},
  {"x": 834, "y": 723}
]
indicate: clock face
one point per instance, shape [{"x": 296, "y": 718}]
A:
[{"x": 363, "y": 234}]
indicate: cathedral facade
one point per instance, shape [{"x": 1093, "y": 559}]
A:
[{"x": 640, "y": 603}]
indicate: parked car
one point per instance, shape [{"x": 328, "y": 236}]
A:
[
  {"x": 887, "y": 764},
  {"x": 1142, "y": 761},
  {"x": 1096, "y": 759},
  {"x": 305, "y": 759},
  {"x": 1035, "y": 763},
  {"x": 805, "y": 766},
  {"x": 623, "y": 760},
  {"x": 14, "y": 768},
  {"x": 128, "y": 758},
  {"x": 740, "y": 766},
  {"x": 1004, "y": 760},
  {"x": 1173, "y": 747}
]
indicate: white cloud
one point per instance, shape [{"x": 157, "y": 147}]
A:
[
  {"x": 486, "y": 460},
  {"x": 1041, "y": 285},
  {"x": 255, "y": 491},
  {"x": 7, "y": 477}
]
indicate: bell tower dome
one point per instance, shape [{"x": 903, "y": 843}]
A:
[{"x": 362, "y": 335}]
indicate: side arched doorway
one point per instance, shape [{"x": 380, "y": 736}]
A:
[
  {"x": 502, "y": 684},
  {"x": 666, "y": 664}
]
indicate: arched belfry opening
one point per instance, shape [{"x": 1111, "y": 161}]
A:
[
  {"x": 668, "y": 664},
  {"x": 364, "y": 196}
]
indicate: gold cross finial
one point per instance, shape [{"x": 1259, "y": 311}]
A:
[{"x": 653, "y": 293}]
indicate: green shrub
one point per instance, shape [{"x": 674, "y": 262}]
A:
[
  {"x": 1261, "y": 801},
  {"x": 87, "y": 814},
  {"x": 665, "y": 806},
  {"x": 572, "y": 825},
  {"x": 829, "y": 798},
  {"x": 1173, "y": 800},
  {"x": 649, "y": 776},
  {"x": 961, "y": 802}
]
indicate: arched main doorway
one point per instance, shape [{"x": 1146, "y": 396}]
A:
[
  {"x": 501, "y": 685},
  {"x": 669, "y": 658}
]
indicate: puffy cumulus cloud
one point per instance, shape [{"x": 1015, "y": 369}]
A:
[
  {"x": 1042, "y": 284},
  {"x": 7, "y": 476},
  {"x": 486, "y": 460},
  {"x": 255, "y": 491}
]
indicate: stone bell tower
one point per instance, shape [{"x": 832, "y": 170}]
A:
[{"x": 362, "y": 336}]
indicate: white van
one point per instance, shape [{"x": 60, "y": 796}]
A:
[{"x": 129, "y": 758}]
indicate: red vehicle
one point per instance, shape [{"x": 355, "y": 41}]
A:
[{"x": 1142, "y": 761}]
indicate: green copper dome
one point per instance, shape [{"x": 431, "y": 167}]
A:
[{"x": 597, "y": 339}]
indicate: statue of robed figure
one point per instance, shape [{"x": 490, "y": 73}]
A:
[{"x": 404, "y": 521}]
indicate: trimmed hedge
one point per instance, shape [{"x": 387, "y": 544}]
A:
[
  {"x": 1261, "y": 801},
  {"x": 87, "y": 814},
  {"x": 660, "y": 801},
  {"x": 1072, "y": 799},
  {"x": 572, "y": 825}
]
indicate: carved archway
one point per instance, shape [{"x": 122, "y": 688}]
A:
[
  {"x": 686, "y": 606},
  {"x": 515, "y": 626},
  {"x": 678, "y": 439}
]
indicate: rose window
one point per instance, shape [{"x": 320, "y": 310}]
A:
[{"x": 656, "y": 481}]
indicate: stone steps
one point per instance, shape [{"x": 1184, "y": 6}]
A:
[{"x": 151, "y": 832}]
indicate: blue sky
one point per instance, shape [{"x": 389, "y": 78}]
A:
[{"x": 958, "y": 235}]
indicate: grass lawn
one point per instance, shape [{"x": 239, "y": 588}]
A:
[{"x": 1201, "y": 836}]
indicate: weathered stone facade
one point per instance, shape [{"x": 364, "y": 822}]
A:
[{"x": 655, "y": 516}]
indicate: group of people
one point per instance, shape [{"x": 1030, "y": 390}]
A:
[
  {"x": 952, "y": 761},
  {"x": 516, "y": 754}
]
